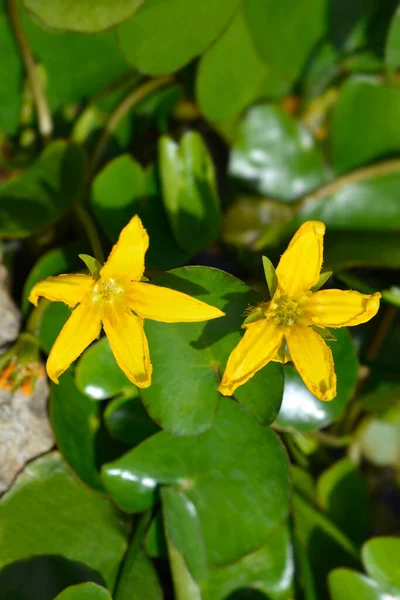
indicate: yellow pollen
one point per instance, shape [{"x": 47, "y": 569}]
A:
[
  {"x": 107, "y": 291},
  {"x": 284, "y": 311}
]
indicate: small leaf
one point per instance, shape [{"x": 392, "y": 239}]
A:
[
  {"x": 323, "y": 278},
  {"x": 326, "y": 334},
  {"x": 89, "y": 591},
  {"x": 92, "y": 264},
  {"x": 270, "y": 275},
  {"x": 381, "y": 559},
  {"x": 256, "y": 315}
]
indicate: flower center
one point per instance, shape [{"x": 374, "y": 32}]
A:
[
  {"x": 107, "y": 291},
  {"x": 284, "y": 311}
]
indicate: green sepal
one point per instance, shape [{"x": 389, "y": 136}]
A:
[
  {"x": 256, "y": 315},
  {"x": 323, "y": 278},
  {"x": 282, "y": 352},
  {"x": 92, "y": 264},
  {"x": 144, "y": 278},
  {"x": 270, "y": 275},
  {"x": 326, "y": 334}
]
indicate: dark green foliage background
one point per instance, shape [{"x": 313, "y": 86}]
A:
[{"x": 224, "y": 126}]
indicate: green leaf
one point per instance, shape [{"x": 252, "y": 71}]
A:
[
  {"x": 154, "y": 541},
  {"x": 138, "y": 579},
  {"x": 127, "y": 420},
  {"x": 10, "y": 72},
  {"x": 77, "y": 66},
  {"x": 189, "y": 191},
  {"x": 187, "y": 406},
  {"x": 230, "y": 74},
  {"x": 275, "y": 155},
  {"x": 89, "y": 591},
  {"x": 53, "y": 262},
  {"x": 345, "y": 249},
  {"x": 380, "y": 556},
  {"x": 327, "y": 547},
  {"x": 123, "y": 189},
  {"x": 183, "y": 528},
  {"x": 365, "y": 123},
  {"x": 44, "y": 192},
  {"x": 343, "y": 495},
  {"x": 230, "y": 457},
  {"x": 323, "y": 278},
  {"x": 270, "y": 276},
  {"x": 73, "y": 516},
  {"x": 163, "y": 37},
  {"x": 326, "y": 334},
  {"x": 98, "y": 375},
  {"x": 50, "y": 318},
  {"x": 92, "y": 264},
  {"x": 392, "y": 49},
  {"x": 269, "y": 570},
  {"x": 76, "y": 423},
  {"x": 296, "y": 37},
  {"x": 86, "y": 16},
  {"x": 348, "y": 585},
  {"x": 300, "y": 409}
]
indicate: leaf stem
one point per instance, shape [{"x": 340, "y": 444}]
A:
[
  {"x": 134, "y": 98},
  {"x": 45, "y": 122},
  {"x": 87, "y": 223},
  {"x": 364, "y": 174}
]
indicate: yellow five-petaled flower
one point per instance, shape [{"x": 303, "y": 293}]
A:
[
  {"x": 290, "y": 317},
  {"x": 119, "y": 301}
]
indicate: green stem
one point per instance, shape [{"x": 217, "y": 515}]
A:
[
  {"x": 331, "y": 440},
  {"x": 45, "y": 122},
  {"x": 91, "y": 231},
  {"x": 133, "y": 99}
]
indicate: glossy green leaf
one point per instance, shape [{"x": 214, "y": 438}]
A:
[
  {"x": 162, "y": 37},
  {"x": 343, "y": 495},
  {"x": 275, "y": 155},
  {"x": 76, "y": 65},
  {"x": 87, "y": 591},
  {"x": 300, "y": 409},
  {"x": 127, "y": 420},
  {"x": 365, "y": 123},
  {"x": 42, "y": 193},
  {"x": 183, "y": 528},
  {"x": 98, "y": 375},
  {"x": 11, "y": 72},
  {"x": 287, "y": 44},
  {"x": 123, "y": 189},
  {"x": 189, "y": 191},
  {"x": 270, "y": 570},
  {"x": 154, "y": 541},
  {"x": 392, "y": 49},
  {"x": 230, "y": 74},
  {"x": 255, "y": 491},
  {"x": 381, "y": 560},
  {"x": 53, "y": 262},
  {"x": 87, "y": 16},
  {"x": 76, "y": 424},
  {"x": 187, "y": 406},
  {"x": 349, "y": 585},
  {"x": 77, "y": 521}
]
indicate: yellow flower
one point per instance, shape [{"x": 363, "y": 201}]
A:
[
  {"x": 291, "y": 317},
  {"x": 119, "y": 301}
]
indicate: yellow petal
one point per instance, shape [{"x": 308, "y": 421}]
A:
[
  {"x": 162, "y": 304},
  {"x": 313, "y": 360},
  {"x": 337, "y": 308},
  {"x": 300, "y": 265},
  {"x": 127, "y": 256},
  {"x": 129, "y": 344},
  {"x": 79, "y": 331},
  {"x": 70, "y": 289},
  {"x": 257, "y": 348}
]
